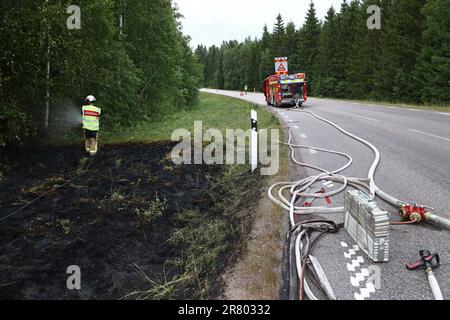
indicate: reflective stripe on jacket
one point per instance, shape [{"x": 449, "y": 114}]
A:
[{"x": 91, "y": 118}]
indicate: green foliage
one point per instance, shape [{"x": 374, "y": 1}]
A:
[
  {"x": 326, "y": 60},
  {"x": 15, "y": 127},
  {"x": 207, "y": 241},
  {"x": 278, "y": 43},
  {"x": 191, "y": 73},
  {"x": 82, "y": 166},
  {"x": 308, "y": 44},
  {"x": 400, "y": 46},
  {"x": 433, "y": 67},
  {"x": 160, "y": 289},
  {"x": 408, "y": 60},
  {"x": 64, "y": 224},
  {"x": 215, "y": 111},
  {"x": 135, "y": 72},
  {"x": 118, "y": 163},
  {"x": 155, "y": 210}
]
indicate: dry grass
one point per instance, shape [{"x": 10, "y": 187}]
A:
[
  {"x": 159, "y": 290},
  {"x": 257, "y": 274}
]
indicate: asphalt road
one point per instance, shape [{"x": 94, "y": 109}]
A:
[{"x": 415, "y": 167}]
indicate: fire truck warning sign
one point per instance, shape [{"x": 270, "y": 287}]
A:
[{"x": 281, "y": 65}]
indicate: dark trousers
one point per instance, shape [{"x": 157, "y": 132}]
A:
[
  {"x": 91, "y": 141},
  {"x": 88, "y": 134}
]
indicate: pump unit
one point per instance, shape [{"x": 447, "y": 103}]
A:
[{"x": 368, "y": 225}]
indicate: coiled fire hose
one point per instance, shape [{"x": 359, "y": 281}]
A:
[{"x": 299, "y": 236}]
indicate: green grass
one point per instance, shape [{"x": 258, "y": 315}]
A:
[
  {"x": 215, "y": 111},
  {"x": 211, "y": 239}
]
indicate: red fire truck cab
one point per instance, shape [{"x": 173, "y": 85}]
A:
[{"x": 284, "y": 90}]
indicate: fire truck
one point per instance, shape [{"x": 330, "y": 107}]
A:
[{"x": 285, "y": 90}]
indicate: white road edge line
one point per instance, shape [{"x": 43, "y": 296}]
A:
[
  {"x": 445, "y": 113},
  {"x": 358, "y": 116},
  {"x": 430, "y": 135}
]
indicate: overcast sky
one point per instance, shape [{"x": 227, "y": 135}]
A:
[{"x": 212, "y": 21}]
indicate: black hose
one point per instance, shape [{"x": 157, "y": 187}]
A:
[
  {"x": 293, "y": 277},
  {"x": 309, "y": 271}
]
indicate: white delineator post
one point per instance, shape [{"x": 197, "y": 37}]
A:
[{"x": 254, "y": 149}]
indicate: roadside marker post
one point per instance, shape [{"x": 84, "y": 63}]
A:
[{"x": 254, "y": 151}]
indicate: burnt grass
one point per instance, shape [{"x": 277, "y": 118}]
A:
[{"x": 92, "y": 223}]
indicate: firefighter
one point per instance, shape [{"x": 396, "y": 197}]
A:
[{"x": 91, "y": 124}]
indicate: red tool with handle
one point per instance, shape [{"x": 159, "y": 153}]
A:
[{"x": 429, "y": 262}]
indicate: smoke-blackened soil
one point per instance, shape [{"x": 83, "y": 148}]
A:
[{"x": 132, "y": 215}]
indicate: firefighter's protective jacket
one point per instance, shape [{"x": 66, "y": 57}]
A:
[{"x": 91, "y": 117}]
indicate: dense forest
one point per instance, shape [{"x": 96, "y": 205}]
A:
[
  {"x": 131, "y": 55},
  {"x": 407, "y": 60}
]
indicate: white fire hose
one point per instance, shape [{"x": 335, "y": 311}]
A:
[{"x": 301, "y": 189}]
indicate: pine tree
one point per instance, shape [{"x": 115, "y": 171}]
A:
[
  {"x": 202, "y": 54},
  {"x": 265, "y": 39},
  {"x": 155, "y": 47},
  {"x": 211, "y": 65},
  {"x": 266, "y": 56},
  {"x": 291, "y": 47},
  {"x": 191, "y": 73},
  {"x": 433, "y": 68},
  {"x": 370, "y": 48},
  {"x": 251, "y": 63},
  {"x": 278, "y": 44},
  {"x": 355, "y": 26},
  {"x": 267, "y": 65},
  {"x": 407, "y": 60},
  {"x": 400, "y": 46},
  {"x": 134, "y": 72},
  {"x": 326, "y": 62},
  {"x": 23, "y": 53},
  {"x": 219, "y": 75},
  {"x": 309, "y": 40}
]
